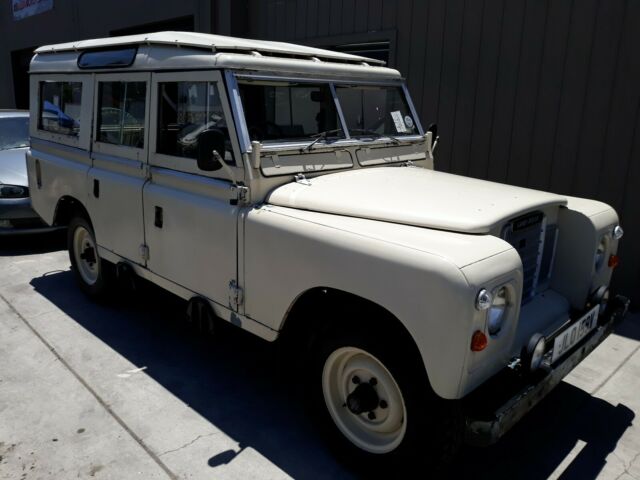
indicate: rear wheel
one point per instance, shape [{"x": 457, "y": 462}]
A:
[
  {"x": 374, "y": 401},
  {"x": 94, "y": 275}
]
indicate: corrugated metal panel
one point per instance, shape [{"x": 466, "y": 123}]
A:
[{"x": 541, "y": 94}]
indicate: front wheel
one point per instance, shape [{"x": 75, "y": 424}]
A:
[
  {"x": 92, "y": 273},
  {"x": 374, "y": 402}
]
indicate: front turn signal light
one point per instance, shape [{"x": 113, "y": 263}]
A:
[
  {"x": 614, "y": 261},
  {"x": 478, "y": 341}
]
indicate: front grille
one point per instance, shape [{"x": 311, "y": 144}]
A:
[{"x": 535, "y": 243}]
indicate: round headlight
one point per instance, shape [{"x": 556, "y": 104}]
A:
[
  {"x": 617, "y": 232},
  {"x": 484, "y": 299},
  {"x": 601, "y": 251},
  {"x": 13, "y": 191},
  {"x": 497, "y": 311}
]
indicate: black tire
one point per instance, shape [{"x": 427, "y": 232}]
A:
[
  {"x": 98, "y": 289},
  {"x": 434, "y": 426}
]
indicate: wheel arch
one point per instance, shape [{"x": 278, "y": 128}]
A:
[
  {"x": 320, "y": 310},
  {"x": 68, "y": 207}
]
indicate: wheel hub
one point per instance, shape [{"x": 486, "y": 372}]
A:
[
  {"x": 89, "y": 255},
  {"x": 363, "y": 399}
]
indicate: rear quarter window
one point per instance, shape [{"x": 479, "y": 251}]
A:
[{"x": 60, "y": 107}]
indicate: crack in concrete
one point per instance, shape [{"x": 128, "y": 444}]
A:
[
  {"x": 625, "y": 466},
  {"x": 189, "y": 443}
]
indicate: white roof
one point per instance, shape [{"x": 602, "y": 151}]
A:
[{"x": 213, "y": 43}]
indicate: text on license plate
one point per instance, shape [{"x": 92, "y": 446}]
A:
[{"x": 575, "y": 333}]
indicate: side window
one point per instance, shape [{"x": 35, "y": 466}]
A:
[
  {"x": 60, "y": 104},
  {"x": 186, "y": 110},
  {"x": 121, "y": 113}
]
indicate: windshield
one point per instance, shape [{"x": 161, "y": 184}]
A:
[
  {"x": 289, "y": 111},
  {"x": 295, "y": 111},
  {"x": 375, "y": 109},
  {"x": 14, "y": 132}
]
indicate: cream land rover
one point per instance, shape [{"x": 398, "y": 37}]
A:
[{"x": 291, "y": 191}]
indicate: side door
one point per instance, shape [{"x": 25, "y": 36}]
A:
[
  {"x": 119, "y": 156},
  {"x": 191, "y": 222}
]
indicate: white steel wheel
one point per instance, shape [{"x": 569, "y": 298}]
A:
[
  {"x": 364, "y": 400},
  {"x": 86, "y": 255}
]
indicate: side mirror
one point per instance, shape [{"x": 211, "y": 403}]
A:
[{"x": 210, "y": 146}]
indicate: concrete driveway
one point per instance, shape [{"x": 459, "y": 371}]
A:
[{"x": 125, "y": 390}]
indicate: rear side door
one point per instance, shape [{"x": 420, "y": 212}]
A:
[
  {"x": 190, "y": 218},
  {"x": 119, "y": 158}
]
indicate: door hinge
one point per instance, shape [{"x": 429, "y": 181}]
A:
[
  {"x": 241, "y": 194},
  {"x": 146, "y": 170},
  {"x": 144, "y": 252},
  {"x": 236, "y": 295}
]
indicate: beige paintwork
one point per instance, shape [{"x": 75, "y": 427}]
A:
[
  {"x": 372, "y": 219},
  {"x": 415, "y": 196}
]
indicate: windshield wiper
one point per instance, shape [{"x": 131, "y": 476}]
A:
[
  {"x": 318, "y": 137},
  {"x": 376, "y": 134}
]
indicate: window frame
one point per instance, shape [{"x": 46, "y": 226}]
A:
[
  {"x": 83, "y": 139},
  {"x": 123, "y": 151},
  {"x": 245, "y": 141},
  {"x": 186, "y": 164}
]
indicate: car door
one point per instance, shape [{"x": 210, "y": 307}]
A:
[
  {"x": 190, "y": 218},
  {"x": 119, "y": 160}
]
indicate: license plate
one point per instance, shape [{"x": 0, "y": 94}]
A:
[{"x": 575, "y": 333}]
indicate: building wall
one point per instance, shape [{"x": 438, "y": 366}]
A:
[
  {"x": 74, "y": 20},
  {"x": 541, "y": 94},
  {"x": 538, "y": 93}
]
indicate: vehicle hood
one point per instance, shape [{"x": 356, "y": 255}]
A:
[
  {"x": 13, "y": 167},
  {"x": 414, "y": 196}
]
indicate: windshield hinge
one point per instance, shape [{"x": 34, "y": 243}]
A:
[
  {"x": 236, "y": 295},
  {"x": 241, "y": 194},
  {"x": 300, "y": 178}
]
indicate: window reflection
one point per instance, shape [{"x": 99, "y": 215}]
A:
[
  {"x": 186, "y": 111},
  {"x": 288, "y": 112},
  {"x": 60, "y": 107},
  {"x": 122, "y": 113}
]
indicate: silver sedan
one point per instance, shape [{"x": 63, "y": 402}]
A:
[{"x": 16, "y": 214}]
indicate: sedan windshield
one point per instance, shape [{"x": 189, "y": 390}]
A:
[
  {"x": 289, "y": 111},
  {"x": 14, "y": 132}
]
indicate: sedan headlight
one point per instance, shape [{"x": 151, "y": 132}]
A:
[
  {"x": 496, "y": 314},
  {"x": 601, "y": 252},
  {"x": 13, "y": 191}
]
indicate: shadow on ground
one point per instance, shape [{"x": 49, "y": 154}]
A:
[
  {"x": 33, "y": 244},
  {"x": 233, "y": 382}
]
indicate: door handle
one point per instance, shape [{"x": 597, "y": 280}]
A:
[
  {"x": 158, "y": 217},
  {"x": 96, "y": 187}
]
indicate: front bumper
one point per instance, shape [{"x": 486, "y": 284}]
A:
[
  {"x": 18, "y": 217},
  {"x": 500, "y": 403}
]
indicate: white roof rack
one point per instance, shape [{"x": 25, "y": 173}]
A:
[{"x": 215, "y": 43}]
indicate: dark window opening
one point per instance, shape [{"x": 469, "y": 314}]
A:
[
  {"x": 375, "y": 50},
  {"x": 20, "y": 60}
]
